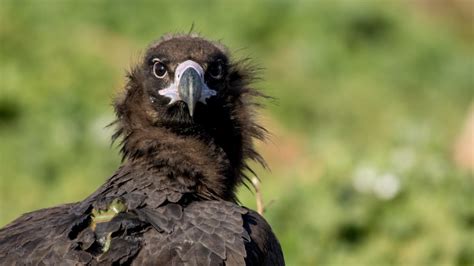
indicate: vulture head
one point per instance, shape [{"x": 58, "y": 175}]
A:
[{"x": 189, "y": 104}]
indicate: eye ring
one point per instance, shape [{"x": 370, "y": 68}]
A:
[
  {"x": 159, "y": 69},
  {"x": 216, "y": 70}
]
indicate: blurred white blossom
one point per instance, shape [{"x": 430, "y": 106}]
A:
[
  {"x": 368, "y": 181},
  {"x": 364, "y": 178},
  {"x": 386, "y": 186}
]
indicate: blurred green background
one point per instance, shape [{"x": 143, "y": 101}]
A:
[{"x": 371, "y": 96}]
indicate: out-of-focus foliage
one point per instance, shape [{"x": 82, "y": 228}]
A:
[{"x": 370, "y": 97}]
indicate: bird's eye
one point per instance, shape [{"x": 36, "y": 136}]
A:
[
  {"x": 215, "y": 70},
  {"x": 159, "y": 69}
]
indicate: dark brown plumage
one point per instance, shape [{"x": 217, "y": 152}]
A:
[{"x": 186, "y": 127}]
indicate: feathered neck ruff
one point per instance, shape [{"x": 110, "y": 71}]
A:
[{"x": 212, "y": 158}]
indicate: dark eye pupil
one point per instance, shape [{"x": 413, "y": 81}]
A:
[
  {"x": 159, "y": 69},
  {"x": 215, "y": 70}
]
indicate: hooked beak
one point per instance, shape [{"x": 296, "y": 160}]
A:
[{"x": 188, "y": 86}]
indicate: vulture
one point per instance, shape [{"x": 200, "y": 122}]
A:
[{"x": 186, "y": 127}]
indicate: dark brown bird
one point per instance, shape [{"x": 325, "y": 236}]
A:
[{"x": 186, "y": 127}]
